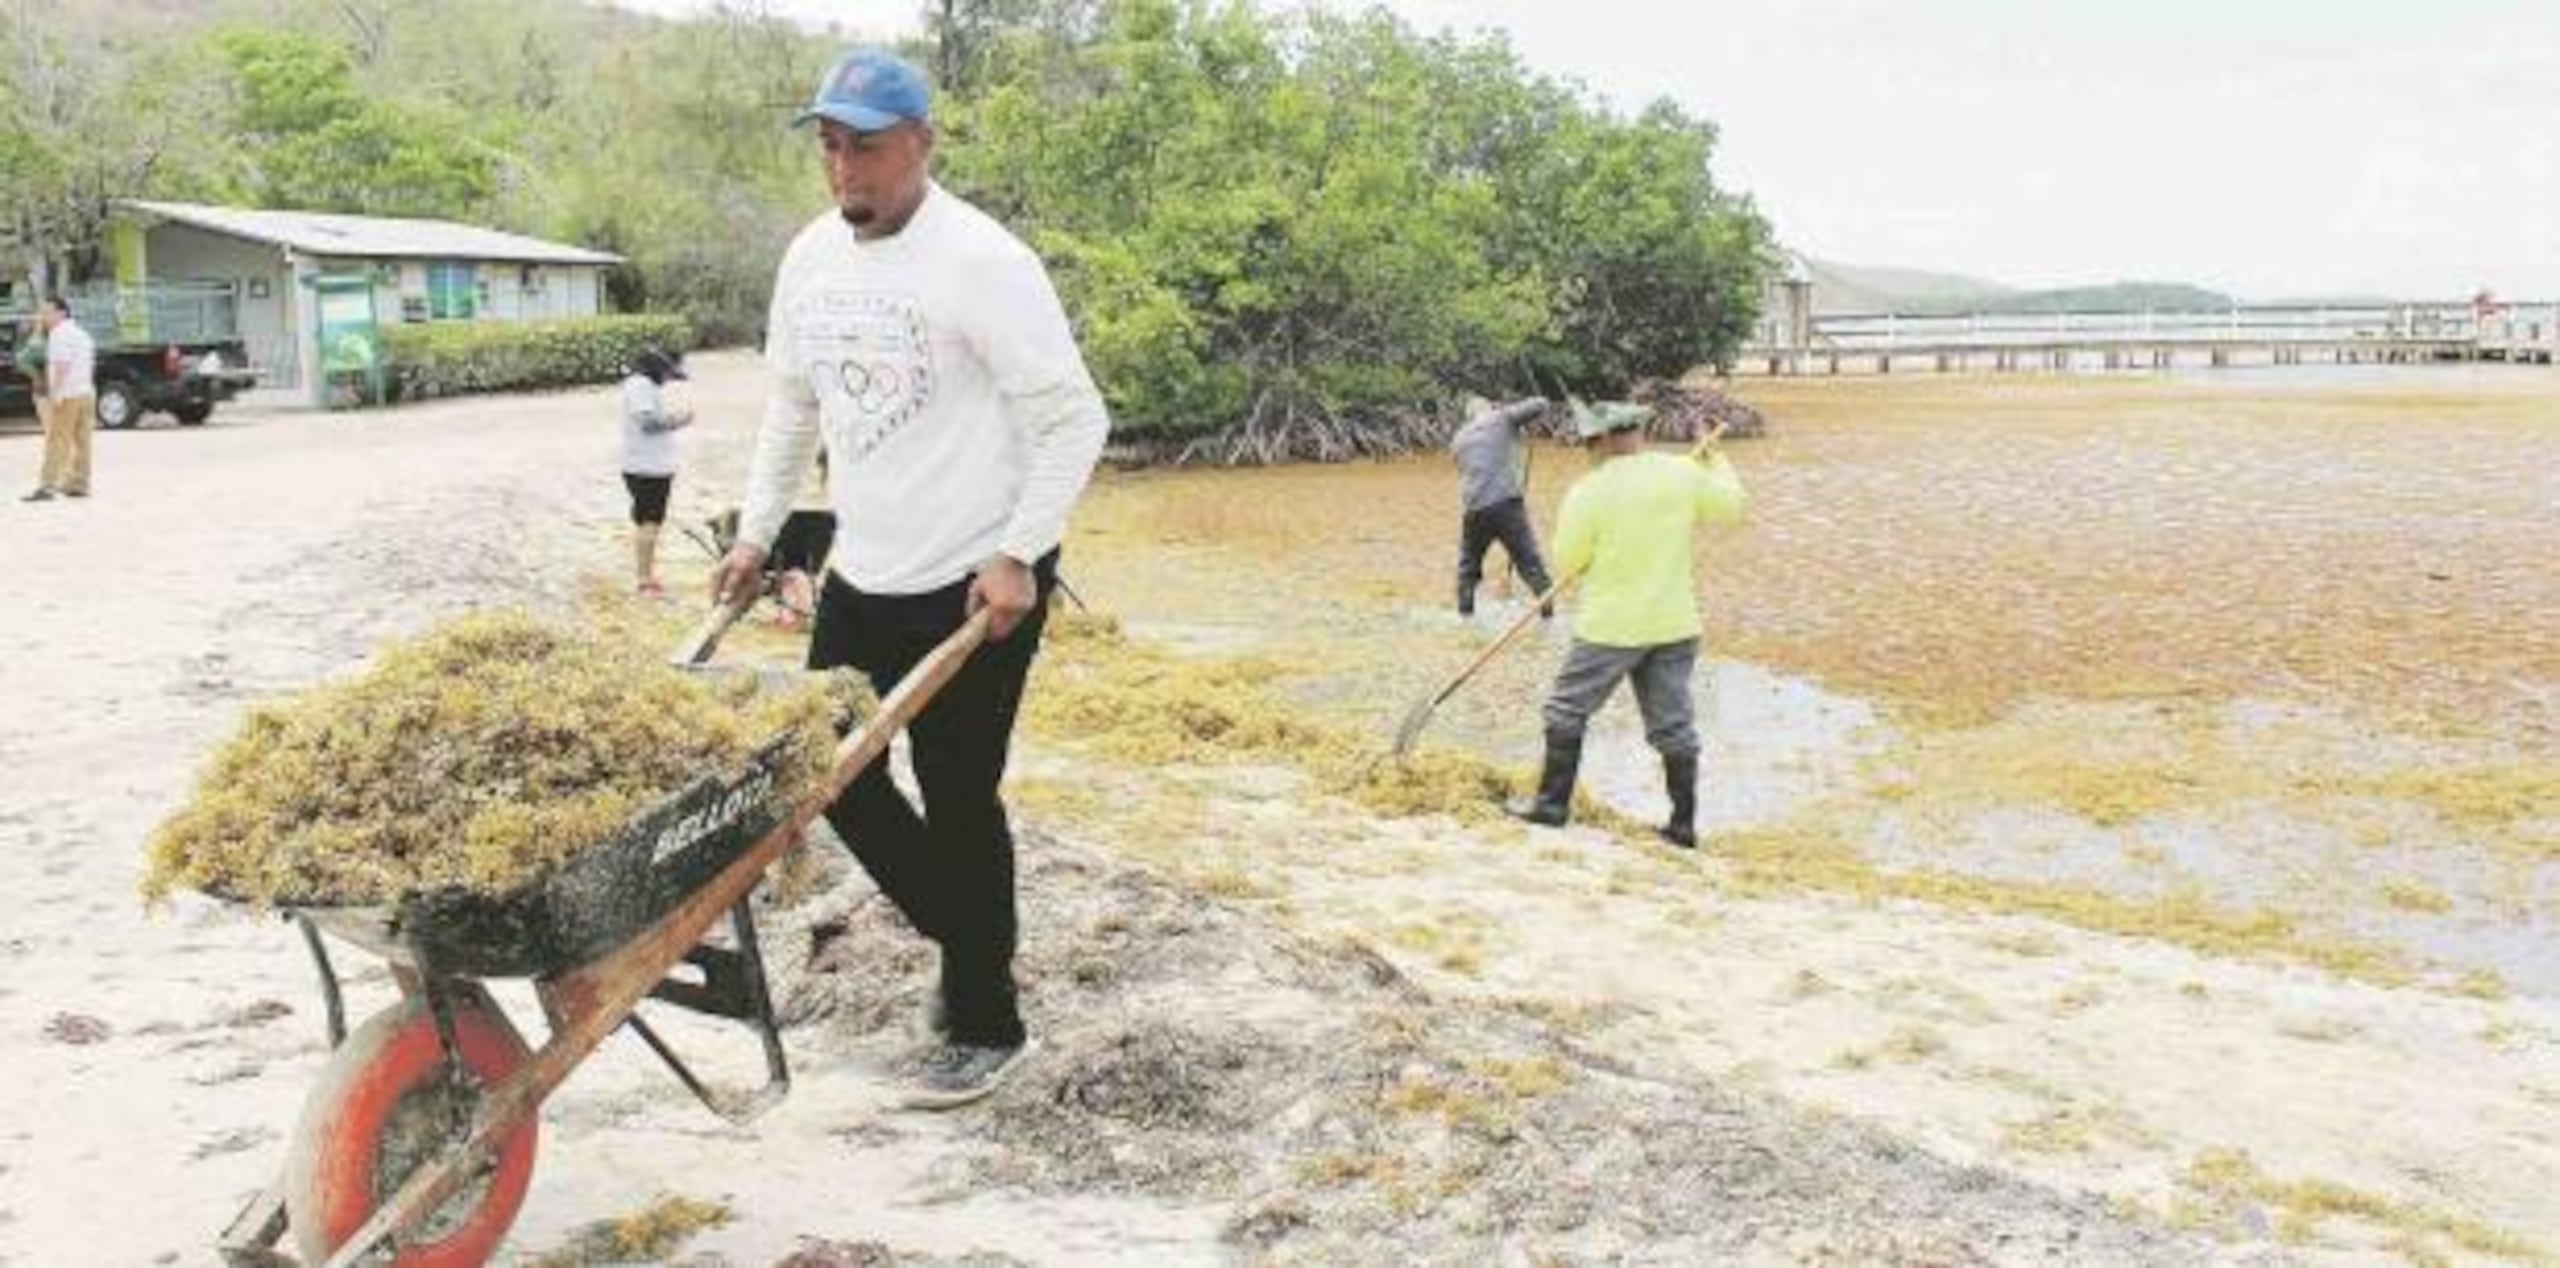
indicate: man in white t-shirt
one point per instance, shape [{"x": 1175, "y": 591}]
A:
[
  {"x": 71, "y": 387},
  {"x": 924, "y": 347}
]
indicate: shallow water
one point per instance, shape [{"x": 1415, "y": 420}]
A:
[
  {"x": 1772, "y": 743},
  {"x": 1777, "y": 746},
  {"x": 2020, "y": 584}
]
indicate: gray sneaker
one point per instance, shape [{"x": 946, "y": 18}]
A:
[
  {"x": 955, "y": 1074},
  {"x": 932, "y": 1023}
]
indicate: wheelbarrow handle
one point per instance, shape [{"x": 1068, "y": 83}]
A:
[{"x": 867, "y": 742}]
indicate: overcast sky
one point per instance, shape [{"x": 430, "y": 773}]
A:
[{"x": 2266, "y": 147}]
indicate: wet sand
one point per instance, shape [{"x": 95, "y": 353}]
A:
[{"x": 2112, "y": 774}]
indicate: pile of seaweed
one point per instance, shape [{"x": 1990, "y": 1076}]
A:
[
  {"x": 479, "y": 756},
  {"x": 1685, "y": 411}
]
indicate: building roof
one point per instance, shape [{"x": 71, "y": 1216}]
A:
[{"x": 371, "y": 237}]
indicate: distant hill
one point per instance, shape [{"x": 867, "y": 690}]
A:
[
  {"x": 2115, "y": 297},
  {"x": 1849, "y": 288}
]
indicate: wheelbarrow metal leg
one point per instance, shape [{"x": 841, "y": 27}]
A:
[
  {"x": 760, "y": 993},
  {"x": 330, "y": 995},
  {"x": 733, "y": 986},
  {"x": 251, "y": 1239},
  {"x": 440, "y": 1008}
]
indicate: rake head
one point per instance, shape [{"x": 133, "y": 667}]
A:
[{"x": 1409, "y": 730}]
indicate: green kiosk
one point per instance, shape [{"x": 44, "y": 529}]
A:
[{"x": 350, "y": 343}]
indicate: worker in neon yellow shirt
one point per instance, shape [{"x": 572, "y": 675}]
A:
[{"x": 1628, "y": 531}]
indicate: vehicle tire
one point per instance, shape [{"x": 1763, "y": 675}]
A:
[
  {"x": 382, "y": 1107},
  {"x": 119, "y": 406},
  {"x": 193, "y": 413}
]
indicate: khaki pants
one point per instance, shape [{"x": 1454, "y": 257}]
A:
[
  {"x": 44, "y": 426},
  {"x": 68, "y": 425}
]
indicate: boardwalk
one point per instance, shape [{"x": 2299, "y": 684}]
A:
[{"x": 2402, "y": 333}]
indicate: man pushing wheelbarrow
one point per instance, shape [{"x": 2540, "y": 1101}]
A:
[{"x": 923, "y": 346}]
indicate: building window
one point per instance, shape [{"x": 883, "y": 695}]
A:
[{"x": 453, "y": 294}]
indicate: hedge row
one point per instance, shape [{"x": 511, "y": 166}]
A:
[{"x": 455, "y": 358}]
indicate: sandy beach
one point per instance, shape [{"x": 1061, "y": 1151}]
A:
[{"x": 2132, "y": 840}]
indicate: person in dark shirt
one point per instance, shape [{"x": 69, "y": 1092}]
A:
[{"x": 1492, "y": 500}]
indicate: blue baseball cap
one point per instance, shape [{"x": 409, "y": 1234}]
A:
[{"x": 870, "y": 90}]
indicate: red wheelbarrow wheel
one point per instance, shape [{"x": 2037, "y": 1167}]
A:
[{"x": 382, "y": 1107}]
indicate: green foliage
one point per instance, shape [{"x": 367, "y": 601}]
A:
[
  {"x": 1287, "y": 232},
  {"x": 87, "y": 116},
  {"x": 317, "y": 143},
  {"x": 453, "y": 358},
  {"x": 1278, "y": 235},
  {"x": 1655, "y": 271},
  {"x": 673, "y": 152}
]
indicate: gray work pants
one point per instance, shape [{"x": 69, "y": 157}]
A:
[{"x": 1661, "y": 673}]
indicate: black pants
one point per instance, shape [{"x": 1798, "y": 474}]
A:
[
  {"x": 1507, "y": 522},
  {"x": 949, "y": 869},
  {"x": 803, "y": 542}
]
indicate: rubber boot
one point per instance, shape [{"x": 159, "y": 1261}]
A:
[
  {"x": 1680, "y": 779},
  {"x": 1553, "y": 806},
  {"x": 1466, "y": 599}
]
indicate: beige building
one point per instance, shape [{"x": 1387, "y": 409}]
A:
[{"x": 422, "y": 271}]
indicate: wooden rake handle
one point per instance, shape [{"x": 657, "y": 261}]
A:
[{"x": 698, "y": 646}]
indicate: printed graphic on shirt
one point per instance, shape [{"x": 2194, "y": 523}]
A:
[{"x": 869, "y": 354}]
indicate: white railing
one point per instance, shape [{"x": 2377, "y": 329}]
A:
[{"x": 2506, "y": 325}]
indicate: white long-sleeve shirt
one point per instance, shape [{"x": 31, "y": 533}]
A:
[{"x": 937, "y": 368}]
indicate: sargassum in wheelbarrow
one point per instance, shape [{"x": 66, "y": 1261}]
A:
[{"x": 478, "y": 756}]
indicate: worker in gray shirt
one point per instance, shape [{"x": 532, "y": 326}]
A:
[{"x": 1489, "y": 468}]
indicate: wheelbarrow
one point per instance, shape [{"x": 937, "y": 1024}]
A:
[{"x": 416, "y": 1145}]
